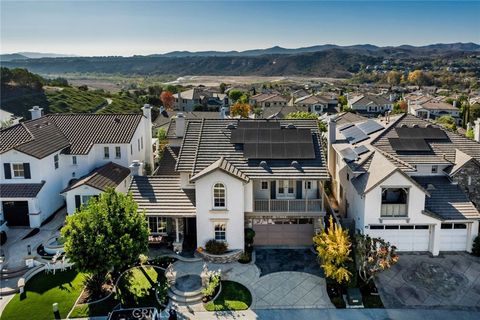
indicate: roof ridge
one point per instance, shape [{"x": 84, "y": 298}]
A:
[
  {"x": 388, "y": 155},
  {"x": 198, "y": 145}
]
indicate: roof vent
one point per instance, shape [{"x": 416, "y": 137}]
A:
[
  {"x": 428, "y": 125},
  {"x": 295, "y": 165},
  {"x": 37, "y": 125},
  {"x": 415, "y": 126},
  {"x": 231, "y": 126},
  {"x": 264, "y": 165},
  {"x": 404, "y": 126},
  {"x": 430, "y": 186},
  {"x": 291, "y": 126},
  {"x": 117, "y": 120}
]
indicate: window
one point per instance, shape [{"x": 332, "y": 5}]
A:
[
  {"x": 286, "y": 187},
  {"x": 73, "y": 174},
  {"x": 446, "y": 226},
  {"x": 341, "y": 192},
  {"x": 138, "y": 144},
  {"x": 394, "y": 202},
  {"x": 469, "y": 180},
  {"x": 219, "y": 195},
  {"x": 459, "y": 226},
  {"x": 220, "y": 231},
  {"x": 264, "y": 185},
  {"x": 434, "y": 169},
  {"x": 157, "y": 224},
  {"x": 85, "y": 199},
  {"x": 141, "y": 142},
  {"x": 118, "y": 152},
  {"x": 348, "y": 177},
  {"x": 308, "y": 185},
  {"x": 131, "y": 149},
  {"x": 55, "y": 161},
  {"x": 376, "y": 227},
  {"x": 74, "y": 160},
  {"x": 18, "y": 171},
  {"x": 106, "y": 152}
]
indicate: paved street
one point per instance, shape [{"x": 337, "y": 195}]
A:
[{"x": 419, "y": 280}]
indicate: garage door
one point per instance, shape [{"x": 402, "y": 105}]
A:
[
  {"x": 283, "y": 232},
  {"x": 453, "y": 237},
  {"x": 16, "y": 213},
  {"x": 405, "y": 238}
]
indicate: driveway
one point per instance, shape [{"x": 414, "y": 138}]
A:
[
  {"x": 277, "y": 260},
  {"x": 451, "y": 280}
]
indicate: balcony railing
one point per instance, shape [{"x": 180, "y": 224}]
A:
[
  {"x": 394, "y": 210},
  {"x": 288, "y": 205}
]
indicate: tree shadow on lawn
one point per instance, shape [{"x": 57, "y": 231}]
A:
[{"x": 44, "y": 282}]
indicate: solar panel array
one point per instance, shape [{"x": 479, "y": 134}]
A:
[
  {"x": 360, "y": 150},
  {"x": 428, "y": 133},
  {"x": 345, "y": 126},
  {"x": 349, "y": 155},
  {"x": 264, "y": 140},
  {"x": 354, "y": 135},
  {"x": 370, "y": 126},
  {"x": 401, "y": 144}
]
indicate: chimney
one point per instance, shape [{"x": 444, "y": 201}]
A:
[
  {"x": 180, "y": 125},
  {"x": 331, "y": 138},
  {"x": 36, "y": 112},
  {"x": 476, "y": 130},
  {"x": 222, "y": 112},
  {"x": 136, "y": 168},
  {"x": 147, "y": 112},
  {"x": 332, "y": 130}
]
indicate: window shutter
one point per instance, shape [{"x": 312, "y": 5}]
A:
[
  {"x": 7, "y": 171},
  {"x": 26, "y": 170},
  {"x": 77, "y": 202},
  {"x": 299, "y": 189},
  {"x": 273, "y": 190}
]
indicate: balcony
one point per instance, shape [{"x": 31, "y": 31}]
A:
[
  {"x": 288, "y": 205},
  {"x": 394, "y": 210}
]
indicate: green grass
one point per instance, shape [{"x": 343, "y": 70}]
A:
[
  {"x": 96, "y": 309},
  {"x": 233, "y": 296},
  {"x": 43, "y": 290},
  {"x": 136, "y": 287}
]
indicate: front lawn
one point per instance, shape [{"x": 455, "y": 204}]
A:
[
  {"x": 233, "y": 296},
  {"x": 95, "y": 309},
  {"x": 41, "y": 292}
]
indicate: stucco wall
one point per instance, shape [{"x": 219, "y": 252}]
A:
[
  {"x": 469, "y": 173},
  {"x": 233, "y": 215}
]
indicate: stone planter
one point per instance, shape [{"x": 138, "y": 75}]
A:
[
  {"x": 227, "y": 257},
  {"x": 51, "y": 246}
]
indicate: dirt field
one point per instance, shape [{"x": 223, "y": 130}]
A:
[{"x": 216, "y": 80}]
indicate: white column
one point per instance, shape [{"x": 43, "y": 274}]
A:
[
  {"x": 177, "y": 232},
  {"x": 435, "y": 239}
]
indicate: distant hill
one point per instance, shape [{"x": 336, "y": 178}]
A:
[
  {"x": 324, "y": 61},
  {"x": 38, "y": 55},
  {"x": 11, "y": 56}
]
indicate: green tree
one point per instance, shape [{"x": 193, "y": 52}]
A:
[
  {"x": 394, "y": 78},
  {"x": 373, "y": 255},
  {"x": 107, "y": 234},
  {"x": 448, "y": 122},
  {"x": 342, "y": 100},
  {"x": 240, "y": 109},
  {"x": 333, "y": 247},
  {"x": 470, "y": 134},
  {"x": 301, "y": 115},
  {"x": 235, "y": 95},
  {"x": 223, "y": 87}
]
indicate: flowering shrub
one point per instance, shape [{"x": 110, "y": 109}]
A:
[{"x": 214, "y": 281}]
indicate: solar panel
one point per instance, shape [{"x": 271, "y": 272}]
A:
[
  {"x": 258, "y": 124},
  {"x": 370, "y": 126},
  {"x": 237, "y": 136},
  {"x": 399, "y": 144},
  {"x": 354, "y": 135},
  {"x": 349, "y": 155},
  {"x": 360, "y": 150},
  {"x": 345, "y": 126},
  {"x": 429, "y": 133},
  {"x": 250, "y": 136},
  {"x": 250, "y": 151},
  {"x": 306, "y": 151}
]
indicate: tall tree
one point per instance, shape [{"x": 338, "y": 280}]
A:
[
  {"x": 394, "y": 78},
  {"x": 333, "y": 247},
  {"x": 240, "y": 109},
  {"x": 106, "y": 234},
  {"x": 235, "y": 95},
  {"x": 373, "y": 255},
  {"x": 167, "y": 100}
]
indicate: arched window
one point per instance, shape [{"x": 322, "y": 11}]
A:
[{"x": 219, "y": 195}]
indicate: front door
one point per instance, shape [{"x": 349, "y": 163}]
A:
[
  {"x": 16, "y": 213},
  {"x": 286, "y": 189}
]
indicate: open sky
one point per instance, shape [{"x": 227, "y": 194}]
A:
[{"x": 122, "y": 27}]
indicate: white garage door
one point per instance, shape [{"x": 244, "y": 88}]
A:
[
  {"x": 283, "y": 232},
  {"x": 405, "y": 238},
  {"x": 453, "y": 237}
]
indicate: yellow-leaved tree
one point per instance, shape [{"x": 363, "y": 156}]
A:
[{"x": 333, "y": 247}]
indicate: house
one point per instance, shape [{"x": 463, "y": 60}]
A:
[
  {"x": 265, "y": 100},
  {"x": 369, "y": 104},
  {"x": 230, "y": 174},
  {"x": 55, "y": 156},
  {"x": 8, "y": 119},
  {"x": 318, "y": 103},
  {"x": 407, "y": 181},
  {"x": 429, "y": 107},
  {"x": 200, "y": 97}
]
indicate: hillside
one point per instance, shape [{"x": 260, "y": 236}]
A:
[
  {"x": 331, "y": 62},
  {"x": 12, "y": 56}
]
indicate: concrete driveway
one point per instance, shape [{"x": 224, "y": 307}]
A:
[
  {"x": 451, "y": 280},
  {"x": 278, "y": 260}
]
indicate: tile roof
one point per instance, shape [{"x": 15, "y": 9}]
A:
[
  {"x": 224, "y": 165},
  {"x": 206, "y": 141},
  {"x": 162, "y": 195},
  {"x": 369, "y": 99},
  {"x": 280, "y": 112},
  {"x": 20, "y": 190},
  {"x": 79, "y": 132},
  {"x": 190, "y": 116},
  {"x": 348, "y": 117},
  {"x": 166, "y": 166},
  {"x": 443, "y": 151},
  {"x": 109, "y": 175},
  {"x": 263, "y": 97},
  {"x": 447, "y": 201}
]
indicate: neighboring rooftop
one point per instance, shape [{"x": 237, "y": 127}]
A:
[
  {"x": 109, "y": 175},
  {"x": 20, "y": 190}
]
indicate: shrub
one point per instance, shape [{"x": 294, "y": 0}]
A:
[
  {"x": 476, "y": 247},
  {"x": 3, "y": 238},
  {"x": 246, "y": 257},
  {"x": 249, "y": 235},
  {"x": 216, "y": 247},
  {"x": 209, "y": 290}
]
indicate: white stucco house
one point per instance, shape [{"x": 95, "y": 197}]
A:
[
  {"x": 224, "y": 175},
  {"x": 407, "y": 181},
  {"x": 429, "y": 107},
  {"x": 369, "y": 104},
  {"x": 44, "y": 158}
]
